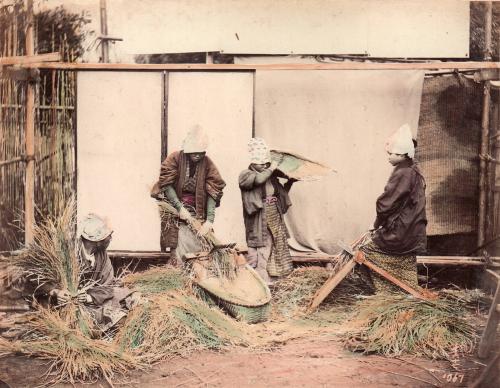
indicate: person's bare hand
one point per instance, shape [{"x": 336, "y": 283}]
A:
[
  {"x": 184, "y": 214},
  {"x": 62, "y": 296},
  {"x": 84, "y": 298},
  {"x": 274, "y": 165}
]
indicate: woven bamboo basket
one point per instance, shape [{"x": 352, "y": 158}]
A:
[{"x": 246, "y": 297}]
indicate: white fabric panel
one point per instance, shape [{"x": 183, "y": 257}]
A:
[
  {"x": 341, "y": 119},
  {"x": 119, "y": 126},
  {"x": 222, "y": 104},
  {"x": 395, "y": 28}
]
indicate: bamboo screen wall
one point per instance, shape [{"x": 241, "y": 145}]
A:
[{"x": 54, "y": 134}]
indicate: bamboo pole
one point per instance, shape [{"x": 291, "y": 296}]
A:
[
  {"x": 24, "y": 60},
  {"x": 104, "y": 32},
  {"x": 485, "y": 124},
  {"x": 29, "y": 187}
]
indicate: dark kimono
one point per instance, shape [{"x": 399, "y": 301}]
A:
[
  {"x": 400, "y": 227},
  {"x": 109, "y": 302},
  {"x": 208, "y": 182},
  {"x": 401, "y": 221},
  {"x": 266, "y": 232}
]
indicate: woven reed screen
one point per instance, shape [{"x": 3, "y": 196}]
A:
[{"x": 448, "y": 148}]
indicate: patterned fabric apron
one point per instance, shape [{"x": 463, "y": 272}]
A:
[
  {"x": 280, "y": 261},
  {"x": 402, "y": 267}
]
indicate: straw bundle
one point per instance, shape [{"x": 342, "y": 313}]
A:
[
  {"x": 222, "y": 261},
  {"x": 393, "y": 325},
  {"x": 156, "y": 280},
  {"x": 52, "y": 261},
  {"x": 175, "y": 324},
  {"x": 52, "y": 258},
  {"x": 73, "y": 356}
]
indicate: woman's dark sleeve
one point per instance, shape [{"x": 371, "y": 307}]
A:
[{"x": 397, "y": 189}]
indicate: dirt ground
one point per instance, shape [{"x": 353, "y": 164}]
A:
[{"x": 304, "y": 362}]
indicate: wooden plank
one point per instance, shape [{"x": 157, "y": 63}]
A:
[
  {"x": 488, "y": 337},
  {"x": 452, "y": 261},
  {"x": 330, "y": 284},
  {"x": 280, "y": 66},
  {"x": 29, "y": 185},
  {"x": 138, "y": 255},
  {"x": 422, "y": 260},
  {"x": 30, "y": 59}
]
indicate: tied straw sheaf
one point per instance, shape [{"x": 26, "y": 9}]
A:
[{"x": 221, "y": 263}]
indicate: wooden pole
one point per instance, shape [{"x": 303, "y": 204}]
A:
[
  {"x": 29, "y": 186},
  {"x": 496, "y": 168},
  {"x": 104, "y": 32},
  {"x": 485, "y": 124}
]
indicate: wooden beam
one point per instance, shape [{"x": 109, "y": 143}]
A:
[
  {"x": 361, "y": 259},
  {"x": 423, "y": 260},
  {"x": 330, "y": 284},
  {"x": 488, "y": 337},
  {"x": 30, "y": 59},
  {"x": 29, "y": 185},
  {"x": 148, "y": 255},
  {"x": 280, "y": 66}
]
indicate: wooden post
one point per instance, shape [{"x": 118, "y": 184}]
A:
[
  {"x": 104, "y": 32},
  {"x": 488, "y": 337},
  {"x": 485, "y": 123},
  {"x": 29, "y": 186}
]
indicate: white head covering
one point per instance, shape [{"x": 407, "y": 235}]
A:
[
  {"x": 94, "y": 228},
  {"x": 401, "y": 142},
  {"x": 259, "y": 151},
  {"x": 196, "y": 140}
]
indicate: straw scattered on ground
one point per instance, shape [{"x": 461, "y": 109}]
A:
[
  {"x": 72, "y": 356},
  {"x": 293, "y": 294},
  {"x": 157, "y": 280},
  {"x": 176, "y": 324}
]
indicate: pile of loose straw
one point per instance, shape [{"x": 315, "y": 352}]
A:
[
  {"x": 176, "y": 324},
  {"x": 293, "y": 294},
  {"x": 392, "y": 325}
]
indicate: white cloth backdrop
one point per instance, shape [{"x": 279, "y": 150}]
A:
[
  {"x": 118, "y": 156},
  {"x": 222, "y": 104},
  {"x": 342, "y": 119}
]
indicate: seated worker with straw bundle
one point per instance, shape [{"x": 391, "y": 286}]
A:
[
  {"x": 399, "y": 230},
  {"x": 192, "y": 184},
  {"x": 103, "y": 298},
  {"x": 265, "y": 201}
]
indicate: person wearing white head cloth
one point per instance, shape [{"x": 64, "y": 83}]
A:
[
  {"x": 400, "y": 227},
  {"x": 193, "y": 185},
  {"x": 265, "y": 201}
]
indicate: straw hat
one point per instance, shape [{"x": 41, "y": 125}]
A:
[
  {"x": 401, "y": 142},
  {"x": 94, "y": 228}
]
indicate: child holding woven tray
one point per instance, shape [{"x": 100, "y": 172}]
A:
[
  {"x": 265, "y": 201},
  {"x": 399, "y": 230}
]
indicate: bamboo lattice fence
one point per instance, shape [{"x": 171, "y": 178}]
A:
[{"x": 55, "y": 123}]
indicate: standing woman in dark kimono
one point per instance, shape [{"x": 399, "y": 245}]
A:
[
  {"x": 192, "y": 184},
  {"x": 399, "y": 229}
]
